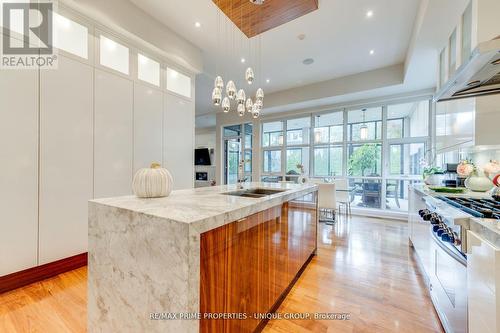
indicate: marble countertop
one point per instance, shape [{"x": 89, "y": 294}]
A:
[
  {"x": 424, "y": 189},
  {"x": 202, "y": 204}
]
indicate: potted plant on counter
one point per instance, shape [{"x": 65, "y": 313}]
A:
[{"x": 433, "y": 175}]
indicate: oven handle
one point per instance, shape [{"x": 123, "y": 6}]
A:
[{"x": 448, "y": 251}]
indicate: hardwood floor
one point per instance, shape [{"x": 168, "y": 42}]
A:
[{"x": 363, "y": 268}]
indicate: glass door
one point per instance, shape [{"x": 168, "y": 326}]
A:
[{"x": 232, "y": 153}]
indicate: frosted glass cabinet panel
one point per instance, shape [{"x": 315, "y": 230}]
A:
[
  {"x": 466, "y": 33},
  {"x": 70, "y": 36},
  {"x": 178, "y": 83},
  {"x": 113, "y": 135},
  {"x": 148, "y": 70},
  {"x": 19, "y": 176},
  {"x": 113, "y": 55},
  {"x": 66, "y": 159},
  {"x": 454, "y": 124},
  {"x": 148, "y": 106}
]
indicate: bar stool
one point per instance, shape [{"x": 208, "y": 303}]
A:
[
  {"x": 343, "y": 196},
  {"x": 327, "y": 202}
]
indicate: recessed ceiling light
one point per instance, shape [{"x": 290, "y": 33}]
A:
[
  {"x": 369, "y": 13},
  {"x": 197, "y": 24},
  {"x": 372, "y": 52},
  {"x": 267, "y": 80},
  {"x": 243, "y": 60},
  {"x": 301, "y": 36},
  {"x": 308, "y": 61}
]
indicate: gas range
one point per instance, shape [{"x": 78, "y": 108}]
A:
[{"x": 477, "y": 207}]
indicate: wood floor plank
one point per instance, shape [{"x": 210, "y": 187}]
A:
[{"x": 363, "y": 268}]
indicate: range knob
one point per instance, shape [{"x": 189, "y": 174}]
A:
[
  {"x": 423, "y": 212},
  {"x": 427, "y": 216},
  {"x": 436, "y": 227},
  {"x": 441, "y": 231},
  {"x": 448, "y": 237},
  {"x": 436, "y": 219}
]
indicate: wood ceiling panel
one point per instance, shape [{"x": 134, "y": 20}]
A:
[{"x": 254, "y": 19}]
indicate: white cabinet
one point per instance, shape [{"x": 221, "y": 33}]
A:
[
  {"x": 113, "y": 135},
  {"x": 18, "y": 169},
  {"x": 66, "y": 159},
  {"x": 178, "y": 136},
  {"x": 483, "y": 276},
  {"x": 148, "y": 122}
]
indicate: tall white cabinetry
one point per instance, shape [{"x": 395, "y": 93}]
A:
[
  {"x": 113, "y": 145},
  {"x": 483, "y": 278},
  {"x": 178, "y": 135},
  {"x": 18, "y": 170},
  {"x": 66, "y": 159},
  {"x": 148, "y": 126}
]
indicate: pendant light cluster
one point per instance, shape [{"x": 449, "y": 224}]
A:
[{"x": 231, "y": 98}]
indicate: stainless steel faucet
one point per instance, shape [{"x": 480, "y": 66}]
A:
[{"x": 241, "y": 180}]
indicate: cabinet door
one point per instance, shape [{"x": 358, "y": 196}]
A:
[
  {"x": 483, "y": 275},
  {"x": 113, "y": 135},
  {"x": 66, "y": 159},
  {"x": 18, "y": 170},
  {"x": 178, "y": 135},
  {"x": 148, "y": 107}
]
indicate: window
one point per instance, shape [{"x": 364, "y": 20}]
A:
[
  {"x": 148, "y": 70},
  {"x": 328, "y": 161},
  {"x": 368, "y": 119},
  {"x": 377, "y": 150},
  {"x": 114, "y": 55},
  {"x": 272, "y": 134},
  {"x": 442, "y": 68},
  {"x": 365, "y": 160},
  {"x": 404, "y": 159},
  {"x": 178, "y": 83},
  {"x": 408, "y": 120},
  {"x": 297, "y": 131},
  {"x": 329, "y": 127},
  {"x": 237, "y": 143},
  {"x": 70, "y": 36},
  {"x": 452, "y": 61},
  {"x": 272, "y": 161},
  {"x": 467, "y": 33}
]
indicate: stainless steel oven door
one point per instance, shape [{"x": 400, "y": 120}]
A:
[{"x": 449, "y": 286}]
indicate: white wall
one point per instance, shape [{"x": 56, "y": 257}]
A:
[
  {"x": 79, "y": 132},
  {"x": 205, "y": 138}
]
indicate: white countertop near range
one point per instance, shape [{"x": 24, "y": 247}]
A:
[{"x": 488, "y": 229}]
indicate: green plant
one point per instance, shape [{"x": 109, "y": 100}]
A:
[
  {"x": 432, "y": 170},
  {"x": 364, "y": 158}
]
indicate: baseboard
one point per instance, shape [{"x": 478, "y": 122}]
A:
[{"x": 38, "y": 273}]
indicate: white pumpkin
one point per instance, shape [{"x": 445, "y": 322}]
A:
[{"x": 153, "y": 182}]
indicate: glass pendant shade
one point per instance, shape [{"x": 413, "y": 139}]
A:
[
  {"x": 231, "y": 90},
  {"x": 249, "y": 76},
  {"x": 240, "y": 96},
  {"x": 219, "y": 83},
  {"x": 241, "y": 110},
  {"x": 216, "y": 96},
  {"x": 259, "y": 95},
  {"x": 226, "y": 104},
  {"x": 363, "y": 132},
  {"x": 249, "y": 105},
  {"x": 255, "y": 111},
  {"x": 259, "y": 103}
]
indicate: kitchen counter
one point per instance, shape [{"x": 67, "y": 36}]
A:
[
  {"x": 146, "y": 256},
  {"x": 488, "y": 229}
]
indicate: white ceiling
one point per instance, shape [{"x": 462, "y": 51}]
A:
[{"x": 339, "y": 38}]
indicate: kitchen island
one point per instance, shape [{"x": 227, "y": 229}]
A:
[{"x": 184, "y": 262}]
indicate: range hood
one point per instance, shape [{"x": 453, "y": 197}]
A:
[{"x": 477, "y": 77}]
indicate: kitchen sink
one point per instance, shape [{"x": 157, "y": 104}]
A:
[{"x": 254, "y": 192}]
